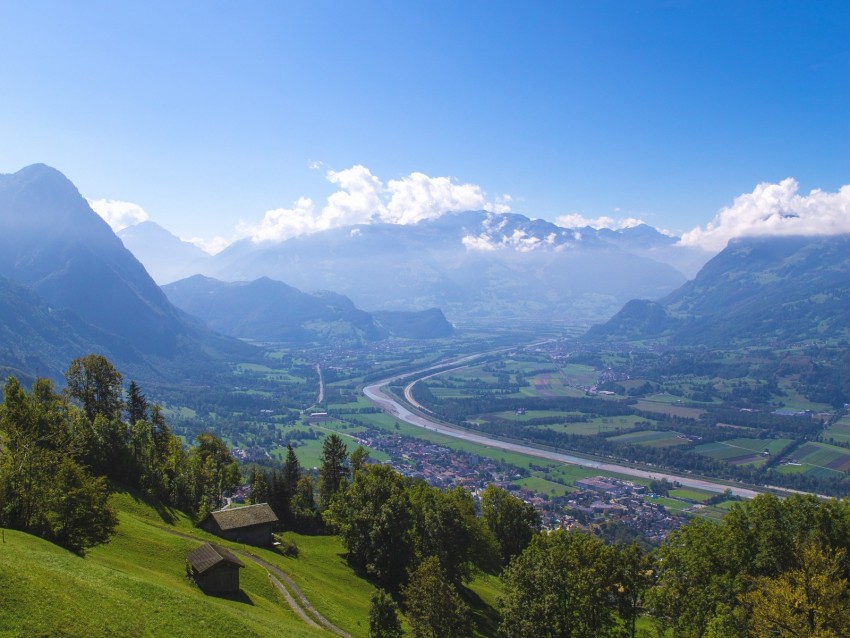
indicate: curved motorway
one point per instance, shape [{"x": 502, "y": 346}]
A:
[{"x": 376, "y": 394}]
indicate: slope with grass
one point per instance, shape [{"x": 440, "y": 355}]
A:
[{"x": 136, "y": 585}]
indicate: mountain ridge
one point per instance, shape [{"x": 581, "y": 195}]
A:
[
  {"x": 54, "y": 244},
  {"x": 757, "y": 290},
  {"x": 268, "y": 310}
]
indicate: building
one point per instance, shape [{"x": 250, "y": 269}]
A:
[
  {"x": 252, "y": 524},
  {"x": 215, "y": 569}
]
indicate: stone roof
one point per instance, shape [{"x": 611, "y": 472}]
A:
[
  {"x": 247, "y": 516},
  {"x": 209, "y": 555}
]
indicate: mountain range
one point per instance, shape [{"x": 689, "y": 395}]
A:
[
  {"x": 477, "y": 267},
  {"x": 758, "y": 290},
  {"x": 71, "y": 287},
  {"x": 267, "y": 310}
]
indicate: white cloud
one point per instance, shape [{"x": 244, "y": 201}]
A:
[
  {"x": 212, "y": 246},
  {"x": 518, "y": 240},
  {"x": 362, "y": 198},
  {"x": 577, "y": 220},
  {"x": 283, "y": 223},
  {"x": 775, "y": 209},
  {"x": 119, "y": 215},
  {"x": 357, "y": 202},
  {"x": 481, "y": 242}
]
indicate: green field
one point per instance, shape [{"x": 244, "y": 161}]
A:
[
  {"x": 543, "y": 486},
  {"x": 668, "y": 404},
  {"x": 839, "y": 431},
  {"x": 651, "y": 438},
  {"x": 691, "y": 494},
  {"x": 743, "y": 451},
  {"x": 819, "y": 459}
]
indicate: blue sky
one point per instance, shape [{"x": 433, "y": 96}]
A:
[{"x": 209, "y": 114}]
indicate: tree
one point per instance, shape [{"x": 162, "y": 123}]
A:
[
  {"x": 440, "y": 529},
  {"x": 696, "y": 577},
  {"x": 137, "y": 404},
  {"x": 96, "y": 385},
  {"x": 333, "y": 472},
  {"x": 512, "y": 521},
  {"x": 562, "y": 584},
  {"x": 373, "y": 518},
  {"x": 291, "y": 469},
  {"x": 44, "y": 490},
  {"x": 214, "y": 471},
  {"x": 809, "y": 601},
  {"x": 260, "y": 489},
  {"x": 305, "y": 515},
  {"x": 434, "y": 608},
  {"x": 383, "y": 616},
  {"x": 79, "y": 515},
  {"x": 634, "y": 574},
  {"x": 359, "y": 458}
]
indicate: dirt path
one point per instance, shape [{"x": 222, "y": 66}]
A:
[
  {"x": 303, "y": 608},
  {"x": 276, "y": 572},
  {"x": 291, "y": 602}
]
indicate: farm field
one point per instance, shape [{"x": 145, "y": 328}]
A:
[
  {"x": 839, "y": 432},
  {"x": 690, "y": 494},
  {"x": 659, "y": 406},
  {"x": 819, "y": 459},
  {"x": 544, "y": 486},
  {"x": 549, "y": 385},
  {"x": 743, "y": 451},
  {"x": 652, "y": 438}
]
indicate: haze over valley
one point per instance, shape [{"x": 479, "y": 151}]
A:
[{"x": 446, "y": 319}]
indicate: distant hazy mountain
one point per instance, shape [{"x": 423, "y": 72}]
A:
[
  {"x": 268, "y": 310},
  {"x": 475, "y": 266},
  {"x": 757, "y": 290},
  {"x": 166, "y": 257},
  {"x": 646, "y": 241},
  {"x": 54, "y": 244}
]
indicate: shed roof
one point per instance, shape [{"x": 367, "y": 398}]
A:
[
  {"x": 244, "y": 516},
  {"x": 209, "y": 555}
]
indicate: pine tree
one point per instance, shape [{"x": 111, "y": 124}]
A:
[
  {"x": 333, "y": 472},
  {"x": 137, "y": 404}
]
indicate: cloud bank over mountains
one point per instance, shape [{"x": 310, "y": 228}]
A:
[
  {"x": 363, "y": 198},
  {"x": 775, "y": 209}
]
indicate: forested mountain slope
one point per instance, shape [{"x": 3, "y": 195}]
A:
[{"x": 758, "y": 290}]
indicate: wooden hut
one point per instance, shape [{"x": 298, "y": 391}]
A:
[
  {"x": 252, "y": 524},
  {"x": 215, "y": 569}
]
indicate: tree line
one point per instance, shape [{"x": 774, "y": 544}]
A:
[{"x": 59, "y": 451}]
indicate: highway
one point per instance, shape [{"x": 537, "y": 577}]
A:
[{"x": 376, "y": 394}]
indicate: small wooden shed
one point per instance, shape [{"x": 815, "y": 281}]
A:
[
  {"x": 215, "y": 569},
  {"x": 252, "y": 524}
]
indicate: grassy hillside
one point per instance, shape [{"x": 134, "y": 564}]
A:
[{"x": 136, "y": 585}]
